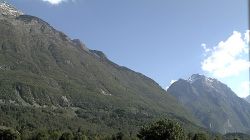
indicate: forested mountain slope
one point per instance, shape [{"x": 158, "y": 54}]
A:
[{"x": 49, "y": 81}]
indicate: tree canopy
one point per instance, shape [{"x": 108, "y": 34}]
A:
[{"x": 162, "y": 130}]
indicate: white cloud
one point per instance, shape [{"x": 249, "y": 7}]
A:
[
  {"x": 227, "y": 58},
  {"x": 55, "y": 2},
  {"x": 167, "y": 88},
  {"x": 171, "y": 82},
  {"x": 205, "y": 48},
  {"x": 244, "y": 89},
  {"x": 246, "y": 38},
  {"x": 204, "y": 45},
  {"x": 228, "y": 62}
]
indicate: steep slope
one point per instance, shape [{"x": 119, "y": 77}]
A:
[
  {"x": 48, "y": 80},
  {"x": 236, "y": 136},
  {"x": 248, "y": 98},
  {"x": 213, "y": 103}
]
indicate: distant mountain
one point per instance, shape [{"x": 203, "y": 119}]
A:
[
  {"x": 48, "y": 80},
  {"x": 213, "y": 103},
  {"x": 248, "y": 98}
]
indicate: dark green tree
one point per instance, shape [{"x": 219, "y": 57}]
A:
[
  {"x": 9, "y": 134},
  {"x": 80, "y": 136},
  {"x": 162, "y": 130},
  {"x": 118, "y": 136},
  {"x": 25, "y": 134},
  {"x": 218, "y": 137},
  {"x": 54, "y": 135},
  {"x": 200, "y": 136},
  {"x": 67, "y": 136},
  {"x": 190, "y": 136},
  {"x": 42, "y": 136}
]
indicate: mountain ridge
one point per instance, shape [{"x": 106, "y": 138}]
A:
[
  {"x": 46, "y": 76},
  {"x": 213, "y": 103}
]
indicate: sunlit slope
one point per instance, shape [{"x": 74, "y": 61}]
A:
[{"x": 49, "y": 80}]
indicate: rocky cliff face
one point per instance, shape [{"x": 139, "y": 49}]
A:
[
  {"x": 248, "y": 98},
  {"x": 213, "y": 103},
  {"x": 8, "y": 10}
]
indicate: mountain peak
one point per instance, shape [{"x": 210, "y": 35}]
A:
[
  {"x": 78, "y": 43},
  {"x": 196, "y": 77},
  {"x": 8, "y": 10},
  {"x": 212, "y": 102}
]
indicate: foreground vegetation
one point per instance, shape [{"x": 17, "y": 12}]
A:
[{"x": 164, "y": 129}]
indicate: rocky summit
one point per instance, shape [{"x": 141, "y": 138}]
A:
[
  {"x": 213, "y": 103},
  {"x": 8, "y": 10}
]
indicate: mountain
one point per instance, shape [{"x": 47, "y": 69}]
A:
[
  {"x": 8, "y": 10},
  {"x": 248, "y": 98},
  {"x": 48, "y": 80},
  {"x": 213, "y": 103}
]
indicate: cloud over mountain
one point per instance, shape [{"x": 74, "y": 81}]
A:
[
  {"x": 55, "y": 2},
  {"x": 228, "y": 61},
  {"x": 227, "y": 58}
]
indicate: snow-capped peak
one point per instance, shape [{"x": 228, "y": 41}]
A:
[
  {"x": 210, "y": 80},
  {"x": 196, "y": 77},
  {"x": 8, "y": 10}
]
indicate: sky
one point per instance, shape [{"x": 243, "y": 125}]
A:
[{"x": 162, "y": 39}]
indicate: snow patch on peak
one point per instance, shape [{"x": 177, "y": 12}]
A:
[
  {"x": 205, "y": 81},
  {"x": 8, "y": 10},
  {"x": 195, "y": 77},
  {"x": 210, "y": 80}
]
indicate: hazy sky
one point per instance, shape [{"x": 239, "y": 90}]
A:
[{"x": 163, "y": 39}]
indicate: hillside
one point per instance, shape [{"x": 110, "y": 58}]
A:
[
  {"x": 213, "y": 103},
  {"x": 48, "y": 80},
  {"x": 233, "y": 136}
]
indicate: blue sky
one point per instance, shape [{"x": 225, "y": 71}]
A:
[{"x": 163, "y": 39}]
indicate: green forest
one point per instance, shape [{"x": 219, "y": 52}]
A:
[{"x": 164, "y": 129}]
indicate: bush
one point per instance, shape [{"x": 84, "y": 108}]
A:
[
  {"x": 162, "y": 130},
  {"x": 8, "y": 134},
  {"x": 67, "y": 136},
  {"x": 200, "y": 136}
]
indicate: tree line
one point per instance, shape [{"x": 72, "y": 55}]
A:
[{"x": 164, "y": 129}]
